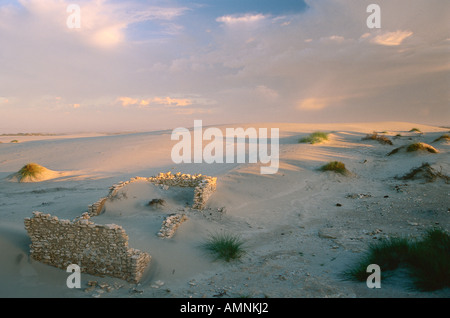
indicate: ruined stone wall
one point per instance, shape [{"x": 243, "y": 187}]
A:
[
  {"x": 103, "y": 249},
  {"x": 204, "y": 187},
  {"x": 98, "y": 249}
]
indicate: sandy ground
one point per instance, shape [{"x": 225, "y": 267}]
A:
[{"x": 302, "y": 228}]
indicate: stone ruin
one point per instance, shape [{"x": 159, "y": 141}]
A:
[{"x": 103, "y": 250}]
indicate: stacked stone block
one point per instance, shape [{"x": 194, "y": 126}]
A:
[{"x": 98, "y": 249}]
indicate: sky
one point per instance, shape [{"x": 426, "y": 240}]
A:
[{"x": 144, "y": 65}]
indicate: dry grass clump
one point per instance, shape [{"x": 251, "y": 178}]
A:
[
  {"x": 382, "y": 139},
  {"x": 417, "y": 130},
  {"x": 445, "y": 137},
  {"x": 417, "y": 146},
  {"x": 157, "y": 203},
  {"x": 426, "y": 172},
  {"x": 315, "y": 138},
  {"x": 335, "y": 166},
  {"x": 30, "y": 171}
]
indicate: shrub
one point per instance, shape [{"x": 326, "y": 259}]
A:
[
  {"x": 428, "y": 259},
  {"x": 30, "y": 170},
  {"x": 14, "y": 141},
  {"x": 335, "y": 166},
  {"x": 224, "y": 246},
  {"x": 315, "y": 137},
  {"x": 416, "y": 130}
]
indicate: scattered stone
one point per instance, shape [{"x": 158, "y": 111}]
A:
[{"x": 171, "y": 224}]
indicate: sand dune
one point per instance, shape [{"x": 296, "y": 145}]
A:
[{"x": 298, "y": 240}]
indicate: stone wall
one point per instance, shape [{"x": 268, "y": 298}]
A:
[
  {"x": 204, "y": 187},
  {"x": 103, "y": 249},
  {"x": 98, "y": 249}
]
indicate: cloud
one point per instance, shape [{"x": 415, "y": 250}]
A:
[
  {"x": 164, "y": 101},
  {"x": 391, "y": 38},
  {"x": 127, "y": 101},
  {"x": 241, "y": 19},
  {"x": 314, "y": 103}
]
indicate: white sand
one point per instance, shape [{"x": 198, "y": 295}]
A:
[{"x": 279, "y": 216}]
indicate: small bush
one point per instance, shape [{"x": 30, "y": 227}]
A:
[
  {"x": 417, "y": 130},
  {"x": 335, "y": 166},
  {"x": 315, "y": 137},
  {"x": 14, "y": 141},
  {"x": 427, "y": 259},
  {"x": 224, "y": 246},
  {"x": 30, "y": 170}
]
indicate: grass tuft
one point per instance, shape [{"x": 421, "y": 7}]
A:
[
  {"x": 315, "y": 137},
  {"x": 30, "y": 170},
  {"x": 417, "y": 130},
  {"x": 417, "y": 146},
  {"x": 224, "y": 246},
  {"x": 381, "y": 139},
  {"x": 425, "y": 171},
  {"x": 428, "y": 259},
  {"x": 335, "y": 166},
  {"x": 445, "y": 137}
]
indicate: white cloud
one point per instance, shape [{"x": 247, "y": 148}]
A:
[
  {"x": 391, "y": 38},
  {"x": 240, "y": 19}
]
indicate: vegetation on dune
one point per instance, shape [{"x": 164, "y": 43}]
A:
[
  {"x": 428, "y": 259},
  {"x": 335, "y": 166},
  {"x": 417, "y": 130},
  {"x": 421, "y": 146},
  {"x": 426, "y": 172},
  {"x": 14, "y": 141},
  {"x": 417, "y": 146},
  {"x": 443, "y": 137},
  {"x": 381, "y": 139},
  {"x": 315, "y": 137},
  {"x": 224, "y": 246},
  {"x": 31, "y": 170}
]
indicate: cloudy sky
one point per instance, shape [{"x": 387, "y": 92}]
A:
[{"x": 142, "y": 65}]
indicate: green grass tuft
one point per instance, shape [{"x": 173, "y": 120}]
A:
[
  {"x": 224, "y": 246},
  {"x": 428, "y": 259},
  {"x": 335, "y": 166},
  {"x": 315, "y": 137},
  {"x": 30, "y": 170}
]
